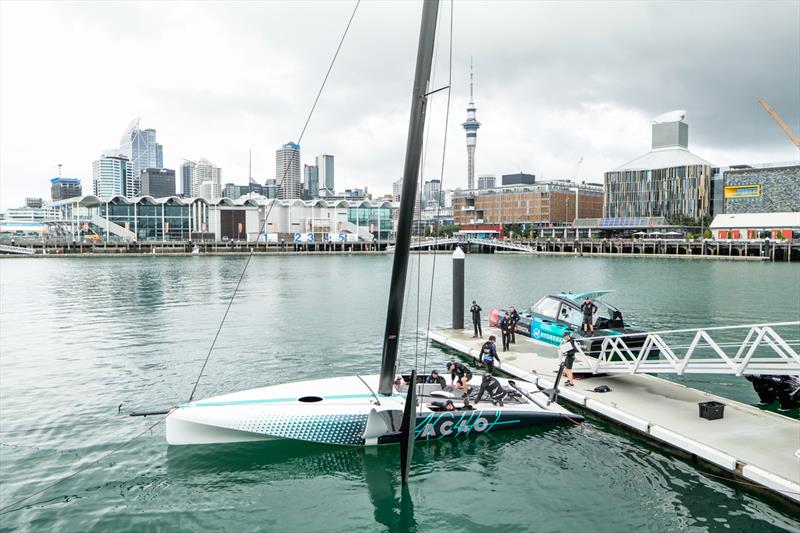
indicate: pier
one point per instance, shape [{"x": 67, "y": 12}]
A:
[
  {"x": 761, "y": 250},
  {"x": 748, "y": 443}
]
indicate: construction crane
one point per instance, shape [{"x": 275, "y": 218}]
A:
[{"x": 777, "y": 118}]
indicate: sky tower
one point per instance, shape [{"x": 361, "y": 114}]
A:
[{"x": 471, "y": 125}]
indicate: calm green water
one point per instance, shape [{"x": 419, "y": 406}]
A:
[{"x": 79, "y": 336}]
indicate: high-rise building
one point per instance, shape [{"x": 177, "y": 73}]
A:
[
  {"x": 234, "y": 192},
  {"x": 287, "y": 172},
  {"x": 142, "y": 151},
  {"x": 432, "y": 193},
  {"x": 187, "y": 170},
  {"x": 325, "y": 172},
  {"x": 520, "y": 178},
  {"x": 471, "y": 126},
  {"x": 63, "y": 188},
  {"x": 397, "y": 187},
  {"x": 112, "y": 176},
  {"x": 35, "y": 203},
  {"x": 487, "y": 181},
  {"x": 669, "y": 181},
  {"x": 206, "y": 178},
  {"x": 158, "y": 182},
  {"x": 271, "y": 188},
  {"x": 311, "y": 181}
]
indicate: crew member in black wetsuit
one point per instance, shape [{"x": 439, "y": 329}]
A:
[
  {"x": 568, "y": 349},
  {"x": 506, "y": 325},
  {"x": 475, "y": 309},
  {"x": 489, "y": 354},
  {"x": 493, "y": 388},
  {"x": 436, "y": 378},
  {"x": 459, "y": 376},
  {"x": 589, "y": 309},
  {"x": 514, "y": 319}
]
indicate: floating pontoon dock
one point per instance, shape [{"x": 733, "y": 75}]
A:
[{"x": 760, "y": 446}]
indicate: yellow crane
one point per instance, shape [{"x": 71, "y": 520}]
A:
[{"x": 784, "y": 127}]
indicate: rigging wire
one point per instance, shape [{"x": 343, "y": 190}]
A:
[
  {"x": 8, "y": 508},
  {"x": 441, "y": 188},
  {"x": 266, "y": 216}
]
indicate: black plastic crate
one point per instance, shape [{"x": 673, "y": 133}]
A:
[{"x": 711, "y": 410}]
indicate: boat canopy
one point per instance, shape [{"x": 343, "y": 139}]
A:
[{"x": 581, "y": 295}]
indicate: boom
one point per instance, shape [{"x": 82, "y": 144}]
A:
[{"x": 781, "y": 123}]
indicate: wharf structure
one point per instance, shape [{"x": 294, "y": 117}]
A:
[
  {"x": 756, "y": 445},
  {"x": 121, "y": 219}
]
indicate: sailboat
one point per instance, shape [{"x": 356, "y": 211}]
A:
[{"x": 347, "y": 410}]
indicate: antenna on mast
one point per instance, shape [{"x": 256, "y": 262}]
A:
[
  {"x": 470, "y": 80},
  {"x": 250, "y": 166},
  {"x": 59, "y": 169}
]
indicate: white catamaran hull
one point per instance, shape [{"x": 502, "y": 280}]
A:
[{"x": 341, "y": 411}]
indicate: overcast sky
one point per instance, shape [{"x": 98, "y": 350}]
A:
[{"x": 554, "y": 82}]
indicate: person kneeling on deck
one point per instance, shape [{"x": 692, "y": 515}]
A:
[
  {"x": 568, "y": 349},
  {"x": 459, "y": 376},
  {"x": 489, "y": 353},
  {"x": 492, "y": 387},
  {"x": 436, "y": 378}
]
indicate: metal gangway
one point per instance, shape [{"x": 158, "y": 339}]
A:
[
  {"x": 497, "y": 244},
  {"x": 7, "y": 249},
  {"x": 751, "y": 349}
]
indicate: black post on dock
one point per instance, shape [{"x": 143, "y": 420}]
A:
[{"x": 458, "y": 288}]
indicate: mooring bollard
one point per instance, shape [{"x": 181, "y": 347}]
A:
[{"x": 458, "y": 288}]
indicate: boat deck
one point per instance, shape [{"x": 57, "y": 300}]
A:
[{"x": 760, "y": 446}]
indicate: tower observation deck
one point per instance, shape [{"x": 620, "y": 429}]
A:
[{"x": 471, "y": 126}]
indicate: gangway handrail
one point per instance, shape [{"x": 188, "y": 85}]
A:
[{"x": 617, "y": 357}]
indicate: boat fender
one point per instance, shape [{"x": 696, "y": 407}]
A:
[{"x": 602, "y": 388}]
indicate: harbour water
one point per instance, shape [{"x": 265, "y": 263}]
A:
[{"x": 80, "y": 336}]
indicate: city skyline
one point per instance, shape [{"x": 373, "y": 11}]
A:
[{"x": 547, "y": 102}]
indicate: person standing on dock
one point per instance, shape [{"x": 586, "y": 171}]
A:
[
  {"x": 506, "y": 325},
  {"x": 475, "y": 309},
  {"x": 589, "y": 309},
  {"x": 489, "y": 354},
  {"x": 568, "y": 349},
  {"x": 514, "y": 319}
]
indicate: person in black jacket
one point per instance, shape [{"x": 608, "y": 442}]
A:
[
  {"x": 506, "y": 325},
  {"x": 493, "y": 388},
  {"x": 475, "y": 309},
  {"x": 459, "y": 376},
  {"x": 436, "y": 378},
  {"x": 489, "y": 354},
  {"x": 589, "y": 309},
  {"x": 514, "y": 319}
]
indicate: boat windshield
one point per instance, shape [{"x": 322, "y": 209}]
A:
[{"x": 547, "y": 307}]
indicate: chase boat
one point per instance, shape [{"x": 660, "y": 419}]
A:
[{"x": 547, "y": 320}]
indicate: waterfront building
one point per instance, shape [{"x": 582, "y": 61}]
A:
[
  {"x": 187, "y": 171},
  {"x": 256, "y": 188},
  {"x": 487, "y": 181},
  {"x": 62, "y": 188},
  {"x": 471, "y": 126},
  {"x": 217, "y": 219},
  {"x": 325, "y": 173},
  {"x": 234, "y": 192},
  {"x": 520, "y": 178},
  {"x": 112, "y": 175},
  {"x": 765, "y": 188},
  {"x": 287, "y": 171},
  {"x": 311, "y": 181},
  {"x": 206, "y": 174},
  {"x": 543, "y": 204},
  {"x": 751, "y": 226},
  {"x": 158, "y": 182},
  {"x": 432, "y": 193},
  {"x": 669, "y": 181},
  {"x": 142, "y": 151}
]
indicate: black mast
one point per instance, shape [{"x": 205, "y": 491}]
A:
[{"x": 419, "y": 100}]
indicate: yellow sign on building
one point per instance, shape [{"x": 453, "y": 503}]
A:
[{"x": 743, "y": 191}]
